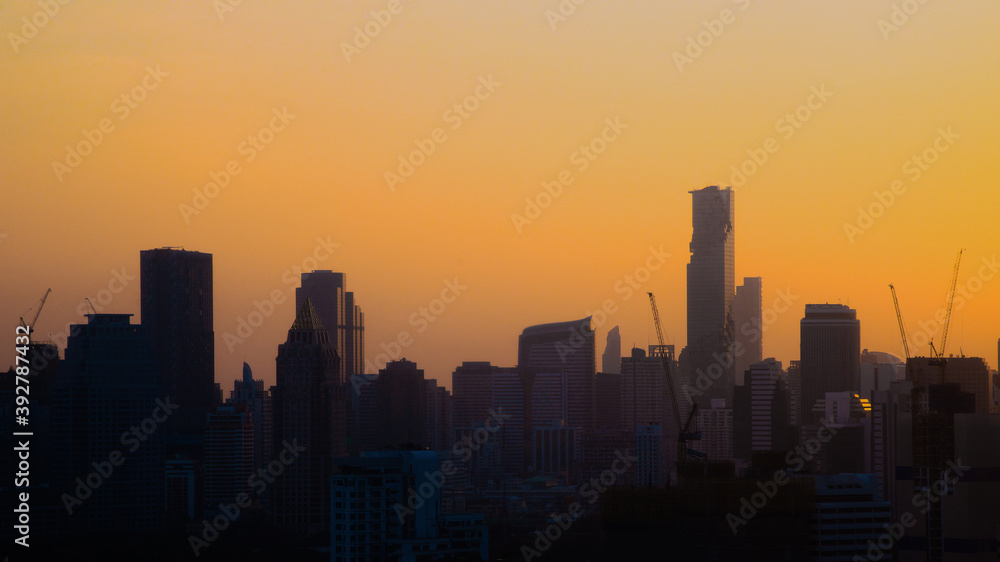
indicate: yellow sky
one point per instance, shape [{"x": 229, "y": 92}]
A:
[{"x": 198, "y": 81}]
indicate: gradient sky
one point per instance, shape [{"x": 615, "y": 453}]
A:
[{"x": 323, "y": 175}]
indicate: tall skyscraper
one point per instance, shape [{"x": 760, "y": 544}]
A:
[
  {"x": 109, "y": 403},
  {"x": 309, "y": 411},
  {"x": 611, "y": 361},
  {"x": 564, "y": 347},
  {"x": 748, "y": 326},
  {"x": 711, "y": 281},
  {"x": 343, "y": 319},
  {"x": 830, "y": 354},
  {"x": 176, "y": 287}
]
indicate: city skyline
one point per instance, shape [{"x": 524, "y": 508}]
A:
[{"x": 881, "y": 103}]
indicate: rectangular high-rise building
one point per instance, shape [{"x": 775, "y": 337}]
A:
[
  {"x": 176, "y": 300},
  {"x": 830, "y": 354},
  {"x": 109, "y": 399},
  {"x": 748, "y": 325},
  {"x": 564, "y": 347},
  {"x": 342, "y": 318},
  {"x": 711, "y": 285},
  {"x": 229, "y": 454}
]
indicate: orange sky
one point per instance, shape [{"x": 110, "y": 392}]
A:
[{"x": 197, "y": 84}]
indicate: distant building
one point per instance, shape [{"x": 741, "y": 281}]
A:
[
  {"x": 611, "y": 360},
  {"x": 971, "y": 373},
  {"x": 229, "y": 454},
  {"x": 439, "y": 421},
  {"x": 849, "y": 517},
  {"x": 748, "y": 325},
  {"x": 177, "y": 306},
  {"x": 337, "y": 310},
  {"x": 830, "y": 354},
  {"x": 108, "y": 383},
  {"x": 401, "y": 406},
  {"x": 711, "y": 288},
  {"x": 608, "y": 401},
  {"x": 555, "y": 450},
  {"x": 649, "y": 468},
  {"x": 770, "y": 424},
  {"x": 716, "y": 427},
  {"x": 564, "y": 347},
  {"x": 645, "y": 400},
  {"x": 251, "y": 393},
  {"x": 879, "y": 371},
  {"x": 387, "y": 506},
  {"x": 309, "y": 411}
]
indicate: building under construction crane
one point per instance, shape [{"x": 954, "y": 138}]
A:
[{"x": 683, "y": 429}]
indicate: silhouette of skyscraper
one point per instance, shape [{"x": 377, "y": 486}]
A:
[
  {"x": 564, "y": 347},
  {"x": 830, "y": 354},
  {"x": 611, "y": 361},
  {"x": 109, "y": 407},
  {"x": 748, "y": 326},
  {"x": 711, "y": 281},
  {"x": 309, "y": 411},
  {"x": 176, "y": 287},
  {"x": 343, "y": 319}
]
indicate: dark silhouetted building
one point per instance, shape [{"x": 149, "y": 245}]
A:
[
  {"x": 611, "y": 361},
  {"x": 830, "y": 354},
  {"x": 176, "y": 287},
  {"x": 563, "y": 347},
  {"x": 401, "y": 406},
  {"x": 109, "y": 409},
  {"x": 251, "y": 393},
  {"x": 309, "y": 411},
  {"x": 229, "y": 454},
  {"x": 748, "y": 325},
  {"x": 711, "y": 281},
  {"x": 343, "y": 319}
]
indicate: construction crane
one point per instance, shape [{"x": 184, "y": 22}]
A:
[
  {"x": 951, "y": 300},
  {"x": 683, "y": 435},
  {"x": 899, "y": 318},
  {"x": 29, "y": 326}
]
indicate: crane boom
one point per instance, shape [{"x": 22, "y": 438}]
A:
[
  {"x": 951, "y": 300},
  {"x": 682, "y": 428},
  {"x": 899, "y": 318},
  {"x": 37, "y": 312}
]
